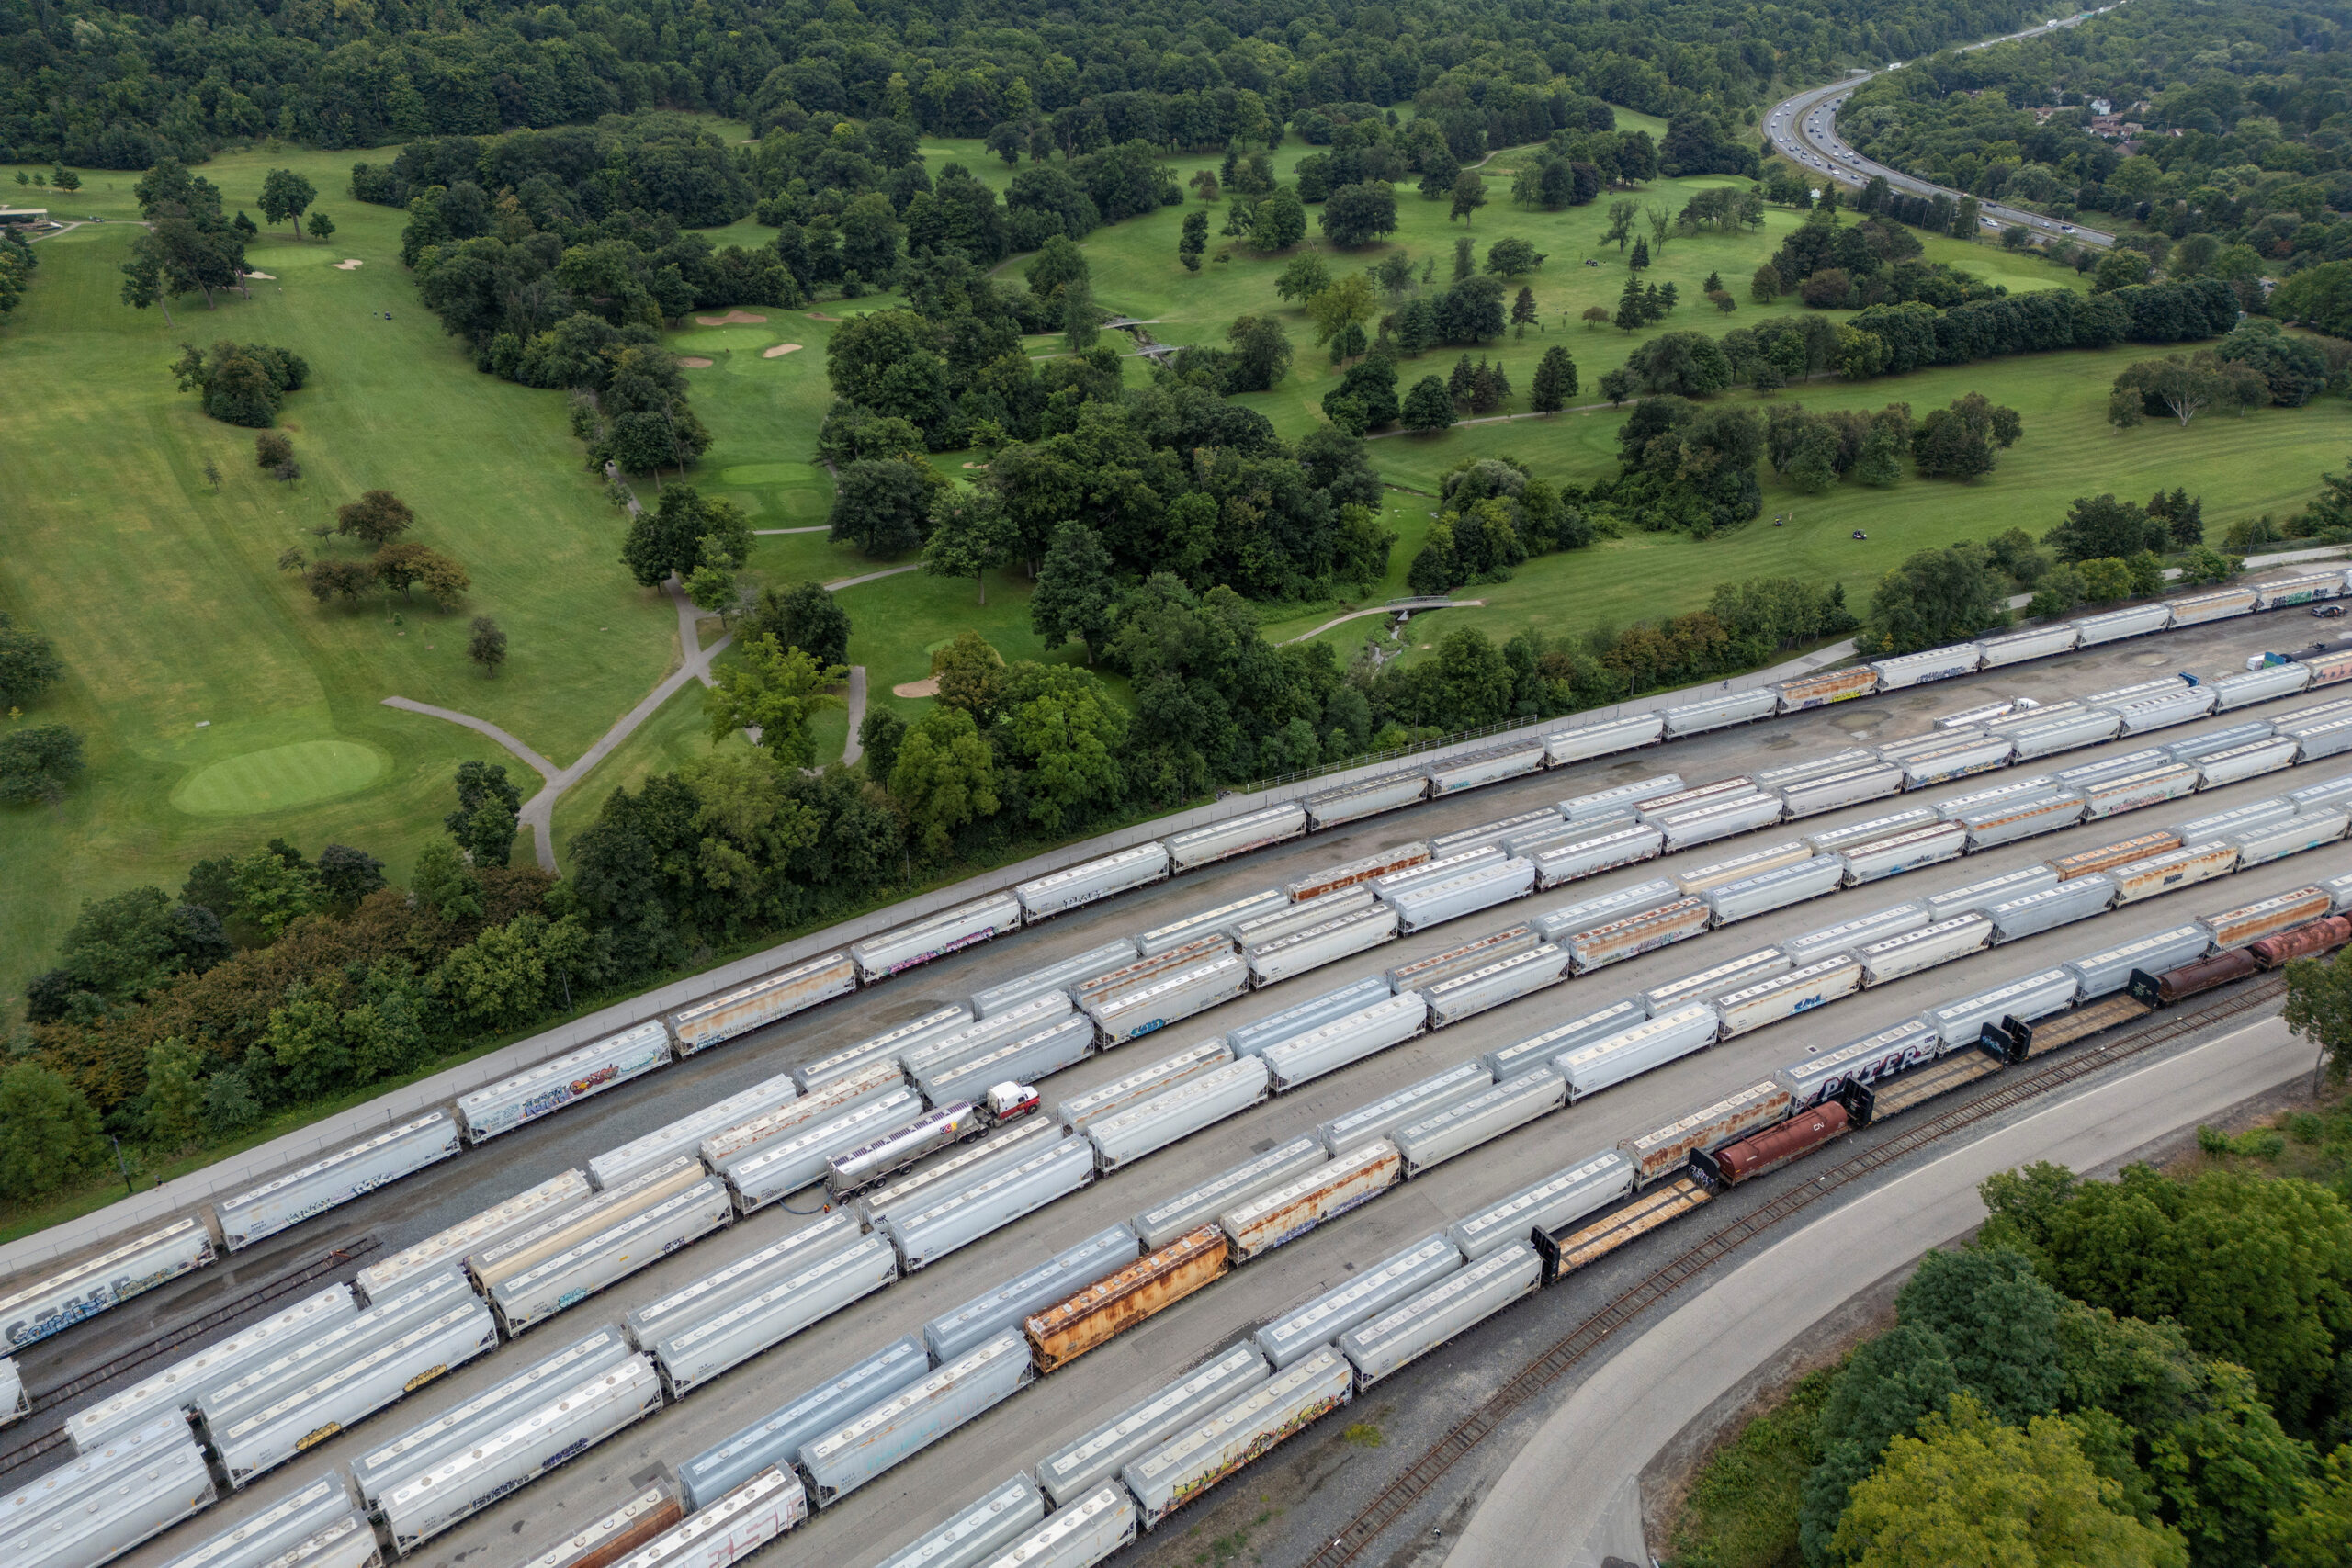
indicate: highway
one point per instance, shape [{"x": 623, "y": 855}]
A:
[
  {"x": 915, "y": 1496},
  {"x": 1803, "y": 127}
]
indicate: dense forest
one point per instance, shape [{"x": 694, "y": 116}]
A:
[
  {"x": 2231, "y": 133},
  {"x": 121, "y": 86}
]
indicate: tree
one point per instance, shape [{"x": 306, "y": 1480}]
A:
[
  {"x": 1356, "y": 215},
  {"x": 1428, "y": 406},
  {"x": 945, "y": 777},
  {"x": 1934, "y": 598},
  {"x": 777, "y": 691},
  {"x": 1349, "y": 303},
  {"x": 2101, "y": 527},
  {"x": 2319, "y": 1007},
  {"x": 1958, "y": 442},
  {"x": 1594, "y": 317},
  {"x": 345, "y": 876},
  {"x": 285, "y": 196},
  {"x": 347, "y": 578},
  {"x": 1302, "y": 277},
  {"x": 1081, "y": 317},
  {"x": 2186, "y": 385},
  {"x": 442, "y": 882},
  {"x": 488, "y": 807},
  {"x": 486, "y": 644},
  {"x": 321, "y": 227},
  {"x": 1523, "y": 312},
  {"x": 271, "y": 448},
  {"x": 803, "y": 615},
  {"x": 49, "y": 1134},
  {"x": 1620, "y": 223},
  {"x": 29, "y": 665},
  {"x": 1511, "y": 256},
  {"x": 1279, "y": 222},
  {"x": 1555, "y": 382},
  {"x": 1260, "y": 354},
  {"x": 378, "y": 517},
  {"x": 1195, "y": 239},
  {"x": 883, "y": 505},
  {"x": 174, "y": 1094},
  {"x": 969, "y": 534},
  {"x": 879, "y": 735},
  {"x": 1064, "y": 732},
  {"x": 1076, "y": 594},
  {"x": 2318, "y": 1533},
  {"x": 1469, "y": 195},
  {"x": 1970, "y": 1489},
  {"x": 241, "y": 383},
  {"x": 38, "y": 764}
]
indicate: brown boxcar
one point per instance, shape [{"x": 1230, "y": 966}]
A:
[
  {"x": 1775, "y": 1146},
  {"x": 1067, "y": 1330},
  {"x": 2303, "y": 942},
  {"x": 618, "y": 1533},
  {"x": 2190, "y": 979}
]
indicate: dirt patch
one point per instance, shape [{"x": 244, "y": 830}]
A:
[
  {"x": 348, "y": 264},
  {"x": 820, "y": 316},
  {"x": 264, "y": 276},
  {"x": 926, "y": 688},
  {"x": 732, "y": 319},
  {"x": 691, "y": 363},
  {"x": 778, "y": 350},
  {"x": 982, "y": 467}
]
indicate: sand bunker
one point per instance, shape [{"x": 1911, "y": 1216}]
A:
[
  {"x": 732, "y": 319},
  {"x": 346, "y": 265},
  {"x": 982, "y": 467},
  {"x": 916, "y": 688},
  {"x": 264, "y": 276},
  {"x": 820, "y": 316},
  {"x": 693, "y": 363},
  {"x": 778, "y": 351}
]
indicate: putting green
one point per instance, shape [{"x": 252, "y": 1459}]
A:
[
  {"x": 749, "y": 474},
  {"x": 278, "y": 777}
]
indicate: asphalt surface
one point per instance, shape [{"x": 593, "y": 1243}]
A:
[
  {"x": 912, "y": 1497},
  {"x": 1803, "y": 127}
]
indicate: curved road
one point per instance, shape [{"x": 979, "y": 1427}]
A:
[{"x": 1803, "y": 127}]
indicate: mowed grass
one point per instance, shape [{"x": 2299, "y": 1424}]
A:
[{"x": 221, "y": 705}]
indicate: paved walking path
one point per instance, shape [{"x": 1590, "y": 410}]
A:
[
  {"x": 770, "y": 533},
  {"x": 1570, "y": 1498},
  {"x": 1386, "y": 610},
  {"x": 840, "y": 582},
  {"x": 852, "y": 748}
]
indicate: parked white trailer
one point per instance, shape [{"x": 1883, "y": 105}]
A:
[
  {"x": 782, "y": 1166},
  {"x": 127, "y": 1501},
  {"x": 1039, "y": 1055},
  {"x": 1207, "y": 1452},
  {"x": 1785, "y": 996},
  {"x": 1326, "y": 941},
  {"x": 1460, "y": 1302},
  {"x": 2034, "y": 913},
  {"x": 887, "y": 1047},
  {"x": 967, "y": 1042},
  {"x": 1720, "y": 712},
  {"x": 1705, "y": 985},
  {"x": 926, "y": 1235},
  {"x": 2176, "y": 868},
  {"x": 1627, "y": 843},
  {"x": 2034, "y": 995},
  {"x": 2250, "y": 761},
  {"x": 963, "y": 1328},
  {"x": 535, "y": 1442},
  {"x": 977, "y": 1533},
  {"x": 1435, "y": 1138},
  {"x": 1236, "y": 835},
  {"x": 2311, "y": 831},
  {"x": 685, "y": 1134},
  {"x": 1256, "y": 1226},
  {"x": 1176, "y": 1113},
  {"x": 1427, "y": 903},
  {"x": 1959, "y": 759},
  {"x": 1390, "y": 1111},
  {"x": 1366, "y": 797},
  {"x": 552, "y": 1085},
  {"x": 1976, "y": 897},
  {"x": 2067, "y": 734},
  {"x": 1222, "y": 921},
  {"x": 1619, "y": 801},
  {"x": 2018, "y": 647},
  {"x": 1582, "y": 742},
  {"x": 1705, "y": 824},
  {"x": 1613, "y": 1059},
  {"x": 1820, "y": 1078},
  {"x": 1488, "y": 766},
  {"x": 2022, "y": 818},
  {"x": 2238, "y": 819},
  {"x": 1942, "y": 942},
  {"x": 776, "y": 1438},
  {"x": 1063, "y": 890},
  {"x": 344, "y": 1392},
  {"x": 545, "y": 1289},
  {"x": 2107, "y": 971},
  {"x": 1059, "y": 976},
  {"x": 177, "y": 1386},
  {"x": 1644, "y": 931},
  {"x": 935, "y": 936},
  {"x": 1283, "y": 921},
  {"x": 84, "y": 1289},
  {"x": 348, "y": 1173},
  {"x": 1346, "y": 1041},
  {"x": 410, "y": 1453},
  {"x": 916, "y": 1417},
  {"x": 1071, "y": 1472},
  {"x": 1537, "y": 1050},
  {"x": 766, "y": 1506},
  {"x": 264, "y": 1538},
  {"x": 1298, "y": 1333},
  {"x": 2118, "y": 623},
  {"x": 1934, "y": 664},
  {"x": 763, "y": 1002},
  {"x": 1776, "y": 889},
  {"x": 1833, "y": 792},
  {"x": 1170, "y": 999}
]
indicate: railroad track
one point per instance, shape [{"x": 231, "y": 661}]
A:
[
  {"x": 321, "y": 1267},
  {"x": 2012, "y": 1090}
]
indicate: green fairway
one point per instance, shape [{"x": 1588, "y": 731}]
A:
[{"x": 220, "y": 705}]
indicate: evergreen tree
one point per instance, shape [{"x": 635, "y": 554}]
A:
[{"x": 1555, "y": 382}]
